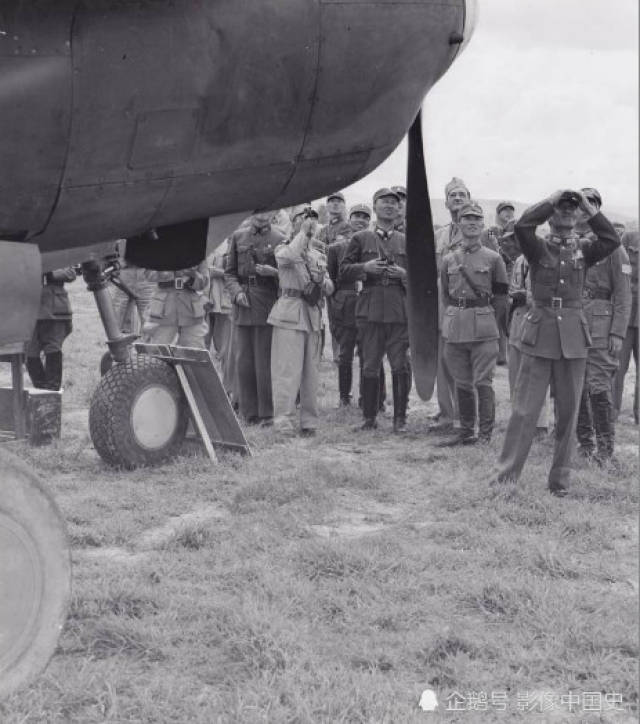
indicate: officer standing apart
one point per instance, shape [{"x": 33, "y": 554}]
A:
[
  {"x": 607, "y": 305},
  {"x": 555, "y": 335},
  {"x": 251, "y": 279},
  {"x": 474, "y": 287},
  {"x": 379, "y": 257},
  {"x": 447, "y": 238},
  {"x": 296, "y": 320},
  {"x": 52, "y": 328},
  {"x": 631, "y": 243},
  {"x": 177, "y": 307},
  {"x": 343, "y": 302}
]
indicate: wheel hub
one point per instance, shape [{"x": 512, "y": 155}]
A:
[{"x": 154, "y": 417}]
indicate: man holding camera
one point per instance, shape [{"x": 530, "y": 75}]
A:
[
  {"x": 474, "y": 285},
  {"x": 555, "y": 337},
  {"x": 296, "y": 318},
  {"x": 379, "y": 258},
  {"x": 251, "y": 279}
]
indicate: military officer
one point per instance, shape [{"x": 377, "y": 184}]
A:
[
  {"x": 251, "y": 279},
  {"x": 296, "y": 321},
  {"x": 555, "y": 335},
  {"x": 379, "y": 258},
  {"x": 607, "y": 305},
  {"x": 337, "y": 224},
  {"x": 177, "y": 307},
  {"x": 630, "y": 241},
  {"x": 401, "y": 221},
  {"x": 620, "y": 228},
  {"x": 343, "y": 301},
  {"x": 52, "y": 328},
  {"x": 474, "y": 286},
  {"x": 448, "y": 238}
]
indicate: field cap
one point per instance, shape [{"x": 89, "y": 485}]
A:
[
  {"x": 362, "y": 208},
  {"x": 400, "y": 190},
  {"x": 337, "y": 195},
  {"x": 592, "y": 195},
  {"x": 385, "y": 192},
  {"x": 471, "y": 209},
  {"x": 504, "y": 205},
  {"x": 455, "y": 183}
]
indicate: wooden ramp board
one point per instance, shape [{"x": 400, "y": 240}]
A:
[{"x": 212, "y": 413}]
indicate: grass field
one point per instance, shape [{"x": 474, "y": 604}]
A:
[{"x": 334, "y": 579}]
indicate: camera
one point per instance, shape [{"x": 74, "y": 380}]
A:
[
  {"x": 310, "y": 213},
  {"x": 570, "y": 197}
]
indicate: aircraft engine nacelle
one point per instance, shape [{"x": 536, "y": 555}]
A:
[{"x": 121, "y": 115}]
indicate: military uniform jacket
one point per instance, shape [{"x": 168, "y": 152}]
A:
[
  {"x": 296, "y": 268},
  {"x": 54, "y": 300},
  {"x": 609, "y": 277},
  {"x": 381, "y": 299},
  {"x": 485, "y": 269},
  {"x": 631, "y": 242},
  {"x": 343, "y": 302},
  {"x": 556, "y": 327},
  {"x": 335, "y": 228},
  {"x": 249, "y": 247},
  {"x": 520, "y": 284},
  {"x": 180, "y": 307}
]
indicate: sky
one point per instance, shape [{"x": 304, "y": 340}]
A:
[{"x": 545, "y": 96}]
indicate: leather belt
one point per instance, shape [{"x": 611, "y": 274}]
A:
[
  {"x": 292, "y": 293},
  {"x": 558, "y": 303},
  {"x": 177, "y": 283},
  {"x": 464, "y": 303},
  {"x": 596, "y": 294},
  {"x": 384, "y": 282},
  {"x": 256, "y": 281},
  {"x": 346, "y": 288}
]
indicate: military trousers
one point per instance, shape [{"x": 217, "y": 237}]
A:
[
  {"x": 48, "y": 336},
  {"x": 295, "y": 367},
  {"x": 445, "y": 386},
  {"x": 601, "y": 369},
  {"x": 513, "y": 360},
  {"x": 629, "y": 347},
  {"x": 378, "y": 338},
  {"x": 124, "y": 307},
  {"x": 252, "y": 353},
  {"x": 334, "y": 331},
  {"x": 472, "y": 364},
  {"x": 189, "y": 335},
  {"x": 535, "y": 374},
  {"x": 348, "y": 340}
]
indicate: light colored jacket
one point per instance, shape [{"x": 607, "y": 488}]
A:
[{"x": 219, "y": 300}]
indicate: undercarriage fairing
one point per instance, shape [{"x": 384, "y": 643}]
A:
[{"x": 118, "y": 116}]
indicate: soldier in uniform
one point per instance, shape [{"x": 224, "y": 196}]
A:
[
  {"x": 251, "y": 279},
  {"x": 177, "y": 307},
  {"x": 401, "y": 221},
  {"x": 379, "y": 257},
  {"x": 474, "y": 287},
  {"x": 555, "y": 335},
  {"x": 447, "y": 238},
  {"x": 219, "y": 313},
  {"x": 620, "y": 228},
  {"x": 607, "y": 305},
  {"x": 343, "y": 302},
  {"x": 630, "y": 241},
  {"x": 296, "y": 319},
  {"x": 52, "y": 328}
]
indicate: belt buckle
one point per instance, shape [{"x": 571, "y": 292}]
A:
[
  {"x": 556, "y": 302},
  {"x": 178, "y": 283}
]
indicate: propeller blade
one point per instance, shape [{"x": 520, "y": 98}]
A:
[{"x": 422, "y": 278}]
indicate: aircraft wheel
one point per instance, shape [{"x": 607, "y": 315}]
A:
[
  {"x": 138, "y": 414},
  {"x": 35, "y": 575}
]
